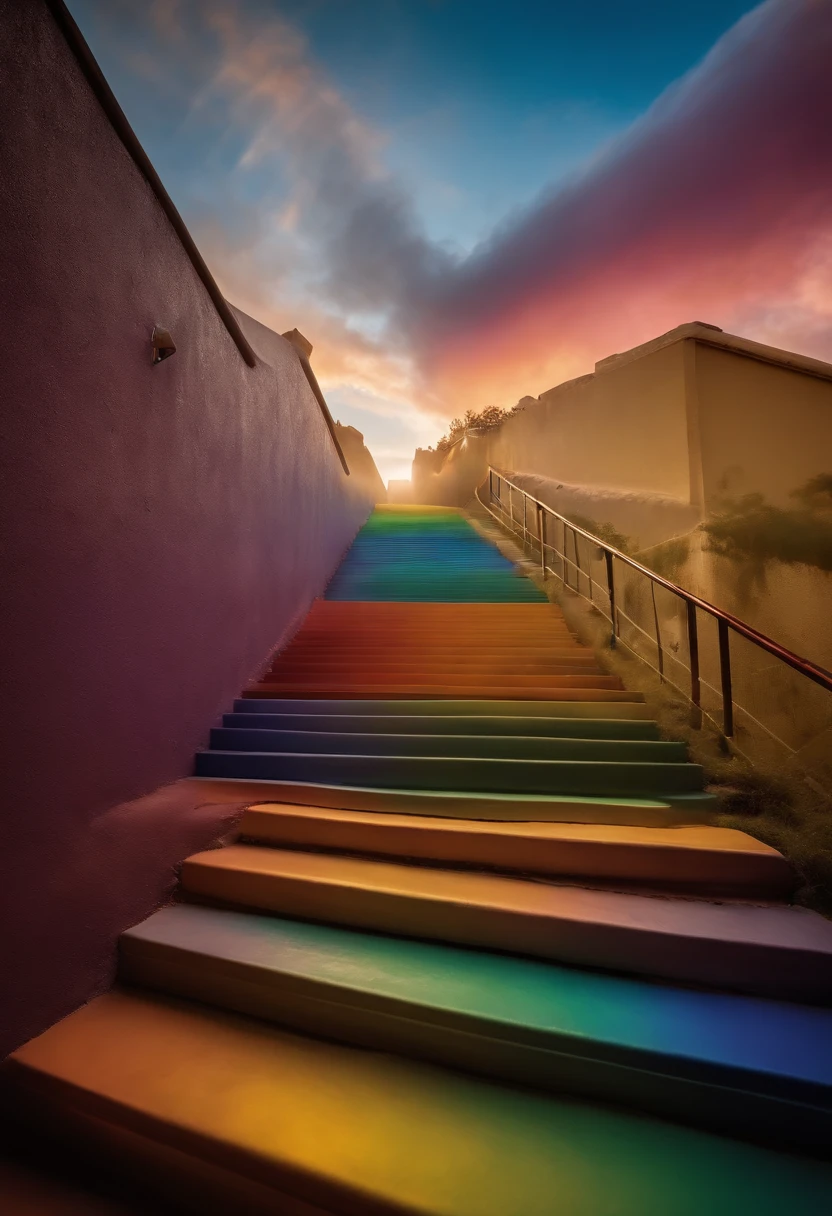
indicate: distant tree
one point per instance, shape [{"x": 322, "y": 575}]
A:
[{"x": 487, "y": 419}]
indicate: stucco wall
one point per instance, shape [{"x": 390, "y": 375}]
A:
[
  {"x": 762, "y": 427},
  {"x": 360, "y": 459},
  {"x": 619, "y": 432},
  {"x": 162, "y": 527},
  {"x": 622, "y": 428}
]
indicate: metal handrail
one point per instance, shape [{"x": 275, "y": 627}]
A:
[{"x": 725, "y": 620}]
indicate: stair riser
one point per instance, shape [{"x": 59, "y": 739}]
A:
[
  {"x": 488, "y": 746},
  {"x": 442, "y": 773}
]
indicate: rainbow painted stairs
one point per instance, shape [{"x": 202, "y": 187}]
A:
[{"x": 477, "y": 951}]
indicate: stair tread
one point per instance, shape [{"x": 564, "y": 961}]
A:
[
  {"x": 635, "y": 709},
  {"x": 444, "y": 707},
  {"x": 695, "y": 838},
  {"x": 508, "y": 747},
  {"x": 736, "y": 945},
  {"x": 703, "y": 837},
  {"x": 355, "y": 1131}
]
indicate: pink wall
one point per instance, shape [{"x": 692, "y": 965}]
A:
[{"x": 161, "y": 528}]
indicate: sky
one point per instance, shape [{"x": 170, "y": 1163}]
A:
[{"x": 464, "y": 202}]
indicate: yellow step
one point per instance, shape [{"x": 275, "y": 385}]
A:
[
  {"x": 230, "y": 1116},
  {"x": 706, "y": 859}
]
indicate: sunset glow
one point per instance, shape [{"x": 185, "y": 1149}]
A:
[{"x": 374, "y": 211}]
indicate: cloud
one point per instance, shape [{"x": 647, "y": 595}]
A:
[
  {"x": 717, "y": 203},
  {"x": 308, "y": 228},
  {"x": 368, "y": 248}
]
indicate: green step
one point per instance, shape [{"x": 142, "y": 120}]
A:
[
  {"x": 671, "y": 1051},
  {"x": 583, "y": 777},
  {"x": 511, "y": 747}
]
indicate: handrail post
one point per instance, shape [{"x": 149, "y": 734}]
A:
[
  {"x": 541, "y": 525},
  {"x": 563, "y": 560},
  {"x": 659, "y": 651},
  {"x": 578, "y": 570},
  {"x": 695, "y": 683},
  {"x": 611, "y": 587},
  {"x": 725, "y": 677},
  {"x": 490, "y": 484}
]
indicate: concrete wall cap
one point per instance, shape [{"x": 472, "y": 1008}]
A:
[
  {"x": 712, "y": 335},
  {"x": 298, "y": 341}
]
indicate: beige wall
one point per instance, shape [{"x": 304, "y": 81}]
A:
[
  {"x": 361, "y": 464},
  {"x": 680, "y": 422},
  {"x": 623, "y": 428},
  {"x": 762, "y": 427}
]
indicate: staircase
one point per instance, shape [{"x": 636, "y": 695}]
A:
[{"x": 477, "y": 950}]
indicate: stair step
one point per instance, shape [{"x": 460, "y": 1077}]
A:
[
  {"x": 408, "y": 669},
  {"x": 376, "y": 690},
  {"x": 244, "y": 1117},
  {"x": 668, "y": 811},
  {"x": 769, "y": 951},
  {"x": 526, "y": 614},
  {"x": 437, "y": 676},
  {"x": 458, "y": 591},
  {"x": 629, "y": 710},
  {"x": 676, "y": 1052},
  {"x": 438, "y": 638},
  {"x": 716, "y": 861},
  {"x": 588, "y": 777},
  {"x": 512, "y": 747},
  {"x": 437, "y": 724}
]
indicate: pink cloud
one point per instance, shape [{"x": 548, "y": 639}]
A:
[{"x": 716, "y": 205}]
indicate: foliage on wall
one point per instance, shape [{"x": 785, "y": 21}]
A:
[
  {"x": 488, "y": 419},
  {"x": 605, "y": 532},
  {"x": 667, "y": 558},
  {"x": 751, "y": 527}
]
